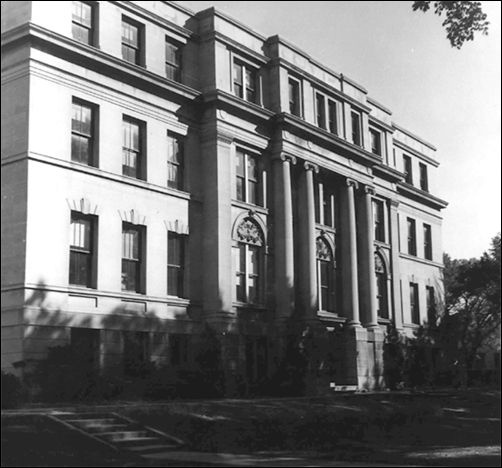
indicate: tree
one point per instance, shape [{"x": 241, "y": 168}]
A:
[
  {"x": 462, "y": 19},
  {"x": 472, "y": 306}
]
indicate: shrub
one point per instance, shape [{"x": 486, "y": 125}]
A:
[{"x": 13, "y": 391}]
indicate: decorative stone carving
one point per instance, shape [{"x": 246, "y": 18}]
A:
[
  {"x": 379, "y": 264},
  {"x": 286, "y": 158},
  {"x": 308, "y": 166},
  {"x": 323, "y": 250},
  {"x": 352, "y": 183},
  {"x": 369, "y": 189},
  {"x": 249, "y": 232}
]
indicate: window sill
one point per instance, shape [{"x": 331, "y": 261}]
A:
[
  {"x": 382, "y": 244},
  {"x": 323, "y": 227},
  {"x": 250, "y": 206}
]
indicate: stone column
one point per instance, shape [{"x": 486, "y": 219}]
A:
[
  {"x": 367, "y": 261},
  {"x": 350, "y": 280},
  {"x": 397, "y": 313},
  {"x": 308, "y": 278},
  {"x": 283, "y": 236}
]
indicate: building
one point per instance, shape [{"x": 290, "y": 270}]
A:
[{"x": 164, "y": 171}]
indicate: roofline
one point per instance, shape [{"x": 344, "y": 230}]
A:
[{"x": 415, "y": 137}]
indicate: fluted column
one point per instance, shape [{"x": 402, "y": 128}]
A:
[
  {"x": 307, "y": 240},
  {"x": 351, "y": 245},
  {"x": 368, "y": 260},
  {"x": 283, "y": 237}
]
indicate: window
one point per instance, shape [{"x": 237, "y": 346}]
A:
[
  {"x": 412, "y": 237},
  {"x": 427, "y": 242},
  {"x": 408, "y": 175},
  {"x": 247, "y": 178},
  {"x": 332, "y": 117},
  {"x": 431, "y": 305},
  {"x": 136, "y": 353},
  {"x": 376, "y": 142},
  {"x": 244, "y": 81},
  {"x": 83, "y": 22},
  {"x": 414, "y": 305},
  {"x": 132, "y": 145},
  {"x": 82, "y": 132},
  {"x": 132, "y": 258},
  {"x": 324, "y": 199},
  {"x": 320, "y": 111},
  {"x": 132, "y": 47},
  {"x": 256, "y": 352},
  {"x": 295, "y": 107},
  {"x": 84, "y": 343},
  {"x": 379, "y": 220},
  {"x": 82, "y": 250},
  {"x": 175, "y": 161},
  {"x": 424, "y": 181},
  {"x": 356, "y": 128},
  {"x": 173, "y": 60},
  {"x": 248, "y": 260},
  {"x": 381, "y": 282},
  {"x": 175, "y": 264},
  {"x": 179, "y": 348},
  {"x": 325, "y": 276}
]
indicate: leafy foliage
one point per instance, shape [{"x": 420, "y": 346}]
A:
[{"x": 463, "y": 19}]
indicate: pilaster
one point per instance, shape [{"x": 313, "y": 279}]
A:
[{"x": 394, "y": 254}]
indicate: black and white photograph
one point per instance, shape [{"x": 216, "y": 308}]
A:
[{"x": 250, "y": 233}]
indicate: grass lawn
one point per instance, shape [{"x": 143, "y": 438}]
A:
[{"x": 433, "y": 428}]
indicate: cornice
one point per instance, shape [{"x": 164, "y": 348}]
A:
[
  {"x": 416, "y": 153},
  {"x": 380, "y": 123},
  {"x": 419, "y": 195},
  {"x": 415, "y": 137},
  {"x": 420, "y": 260},
  {"x": 388, "y": 173},
  {"x": 179, "y": 7},
  {"x": 97, "y": 60},
  {"x": 375, "y": 103}
]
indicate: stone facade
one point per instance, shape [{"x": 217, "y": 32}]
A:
[{"x": 267, "y": 196}]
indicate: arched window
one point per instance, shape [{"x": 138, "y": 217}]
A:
[
  {"x": 248, "y": 262},
  {"x": 325, "y": 276},
  {"x": 381, "y": 283}
]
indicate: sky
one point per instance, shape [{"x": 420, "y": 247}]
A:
[{"x": 449, "y": 97}]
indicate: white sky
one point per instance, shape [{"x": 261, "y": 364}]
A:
[{"x": 449, "y": 97}]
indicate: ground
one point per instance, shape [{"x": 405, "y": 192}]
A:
[{"x": 448, "y": 428}]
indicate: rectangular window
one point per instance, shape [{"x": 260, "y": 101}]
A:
[
  {"x": 132, "y": 258},
  {"x": 412, "y": 237},
  {"x": 247, "y": 177},
  {"x": 424, "y": 181},
  {"x": 176, "y": 264},
  {"x": 356, "y": 128},
  {"x": 175, "y": 161},
  {"x": 179, "y": 348},
  {"x": 132, "y": 145},
  {"x": 136, "y": 353},
  {"x": 173, "y": 60},
  {"x": 81, "y": 250},
  {"x": 244, "y": 81},
  {"x": 84, "y": 343},
  {"x": 246, "y": 258},
  {"x": 132, "y": 41},
  {"x": 320, "y": 110},
  {"x": 379, "y": 220},
  {"x": 239, "y": 254},
  {"x": 427, "y": 242},
  {"x": 82, "y": 132},
  {"x": 83, "y": 22},
  {"x": 408, "y": 175},
  {"x": 414, "y": 305},
  {"x": 431, "y": 305},
  {"x": 376, "y": 142},
  {"x": 332, "y": 117},
  {"x": 294, "y": 97}
]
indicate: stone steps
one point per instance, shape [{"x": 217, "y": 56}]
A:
[{"x": 119, "y": 432}]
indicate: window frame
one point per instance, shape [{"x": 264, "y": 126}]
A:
[
  {"x": 379, "y": 220},
  {"x": 427, "y": 233},
  {"x": 90, "y": 252},
  {"x": 299, "y": 98},
  {"x": 92, "y": 29},
  {"x": 329, "y": 283},
  {"x": 359, "y": 132},
  {"x": 382, "y": 290},
  {"x": 139, "y": 262},
  {"x": 177, "y": 65},
  {"x": 139, "y": 48},
  {"x": 414, "y": 304},
  {"x": 178, "y": 268},
  {"x": 324, "y": 202},
  {"x": 408, "y": 169},
  {"x": 245, "y": 84},
  {"x": 431, "y": 304},
  {"x": 139, "y": 152},
  {"x": 91, "y": 138},
  {"x": 412, "y": 236},
  {"x": 424, "y": 178},
  {"x": 375, "y": 133},
  {"x": 245, "y": 179},
  {"x": 178, "y": 167}
]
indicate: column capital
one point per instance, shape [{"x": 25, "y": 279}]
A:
[
  {"x": 394, "y": 203},
  {"x": 308, "y": 166},
  {"x": 352, "y": 183},
  {"x": 284, "y": 157},
  {"x": 369, "y": 189}
]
